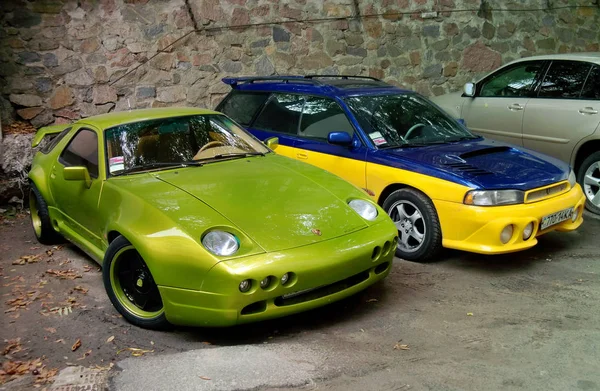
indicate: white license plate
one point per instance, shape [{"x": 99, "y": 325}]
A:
[{"x": 555, "y": 218}]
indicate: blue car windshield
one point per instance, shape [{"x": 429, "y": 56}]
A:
[{"x": 402, "y": 120}]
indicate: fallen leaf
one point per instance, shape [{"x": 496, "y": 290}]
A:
[
  {"x": 60, "y": 340},
  {"x": 469, "y": 314},
  {"x": 76, "y": 345},
  {"x": 81, "y": 289},
  {"x": 13, "y": 346},
  {"x": 69, "y": 274},
  {"x": 85, "y": 355},
  {"x": 49, "y": 252},
  {"x": 51, "y": 330},
  {"x": 110, "y": 339},
  {"x": 372, "y": 301},
  {"x": 136, "y": 352},
  {"x": 399, "y": 346},
  {"x": 204, "y": 377}
]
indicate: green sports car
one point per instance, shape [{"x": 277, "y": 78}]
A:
[{"x": 195, "y": 222}]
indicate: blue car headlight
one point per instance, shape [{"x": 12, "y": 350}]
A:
[
  {"x": 221, "y": 243},
  {"x": 365, "y": 209}
]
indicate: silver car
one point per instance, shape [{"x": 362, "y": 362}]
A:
[{"x": 550, "y": 104}]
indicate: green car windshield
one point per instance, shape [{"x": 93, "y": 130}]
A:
[
  {"x": 405, "y": 120},
  {"x": 177, "y": 141}
]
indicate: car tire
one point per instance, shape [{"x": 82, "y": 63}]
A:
[
  {"x": 40, "y": 218},
  {"x": 590, "y": 167},
  {"x": 419, "y": 231},
  {"x": 122, "y": 266}
]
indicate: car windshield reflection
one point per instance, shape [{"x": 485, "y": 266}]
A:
[
  {"x": 404, "y": 120},
  {"x": 177, "y": 142}
]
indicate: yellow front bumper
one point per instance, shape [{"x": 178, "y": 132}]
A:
[{"x": 477, "y": 229}]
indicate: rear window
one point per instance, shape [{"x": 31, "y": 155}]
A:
[
  {"x": 241, "y": 106},
  {"x": 53, "y": 140},
  {"x": 591, "y": 89},
  {"x": 564, "y": 80}
]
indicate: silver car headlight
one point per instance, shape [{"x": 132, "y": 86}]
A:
[
  {"x": 494, "y": 197},
  {"x": 572, "y": 179},
  {"x": 221, "y": 243},
  {"x": 365, "y": 209}
]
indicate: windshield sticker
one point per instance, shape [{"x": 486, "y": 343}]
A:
[
  {"x": 377, "y": 138},
  {"x": 116, "y": 163}
]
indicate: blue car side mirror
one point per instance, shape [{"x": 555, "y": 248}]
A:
[
  {"x": 339, "y": 138},
  {"x": 462, "y": 121}
]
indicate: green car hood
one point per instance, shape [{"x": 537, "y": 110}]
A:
[{"x": 272, "y": 199}]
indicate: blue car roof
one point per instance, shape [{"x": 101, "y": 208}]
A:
[{"x": 331, "y": 86}]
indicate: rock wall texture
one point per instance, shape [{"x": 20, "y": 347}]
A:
[{"x": 61, "y": 60}]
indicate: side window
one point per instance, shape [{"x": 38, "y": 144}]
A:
[
  {"x": 281, "y": 114},
  {"x": 564, "y": 80},
  {"x": 321, "y": 116},
  {"x": 514, "y": 81},
  {"x": 82, "y": 150},
  {"x": 54, "y": 140},
  {"x": 241, "y": 106},
  {"x": 591, "y": 89}
]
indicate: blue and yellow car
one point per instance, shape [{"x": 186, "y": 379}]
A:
[{"x": 442, "y": 185}]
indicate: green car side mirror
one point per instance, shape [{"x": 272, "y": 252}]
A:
[
  {"x": 78, "y": 173},
  {"x": 272, "y": 142}
]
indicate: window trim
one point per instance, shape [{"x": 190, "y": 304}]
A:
[
  {"x": 65, "y": 164},
  {"x": 532, "y": 90},
  {"x": 549, "y": 67}
]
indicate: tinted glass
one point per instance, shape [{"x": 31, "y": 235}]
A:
[
  {"x": 82, "y": 150},
  {"x": 241, "y": 106},
  {"x": 281, "y": 114},
  {"x": 54, "y": 140},
  {"x": 174, "y": 141},
  {"x": 564, "y": 79},
  {"x": 405, "y": 120},
  {"x": 591, "y": 89},
  {"x": 321, "y": 116},
  {"x": 514, "y": 81}
]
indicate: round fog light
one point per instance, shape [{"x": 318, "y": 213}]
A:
[
  {"x": 285, "y": 278},
  {"x": 506, "y": 234},
  {"x": 527, "y": 231},
  {"x": 245, "y": 286},
  {"x": 265, "y": 282},
  {"x": 575, "y": 215}
]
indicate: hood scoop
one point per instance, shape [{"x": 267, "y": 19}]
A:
[
  {"x": 467, "y": 168},
  {"x": 484, "y": 151}
]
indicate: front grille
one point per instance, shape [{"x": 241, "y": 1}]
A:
[
  {"x": 546, "y": 192},
  {"x": 322, "y": 291},
  {"x": 465, "y": 167}
]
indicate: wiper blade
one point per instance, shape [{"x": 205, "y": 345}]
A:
[
  {"x": 463, "y": 138},
  {"x": 149, "y": 166},
  {"x": 237, "y": 154}
]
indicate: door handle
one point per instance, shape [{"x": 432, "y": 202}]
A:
[
  {"x": 515, "y": 107},
  {"x": 302, "y": 155},
  {"x": 588, "y": 110}
]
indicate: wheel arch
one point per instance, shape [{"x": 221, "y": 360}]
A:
[
  {"x": 389, "y": 189},
  {"x": 585, "y": 150}
]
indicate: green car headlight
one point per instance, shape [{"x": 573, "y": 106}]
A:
[
  {"x": 221, "y": 243},
  {"x": 494, "y": 197},
  {"x": 365, "y": 209},
  {"x": 572, "y": 179}
]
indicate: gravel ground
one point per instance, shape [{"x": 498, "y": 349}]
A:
[{"x": 465, "y": 322}]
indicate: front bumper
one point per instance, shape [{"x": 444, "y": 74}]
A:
[
  {"x": 477, "y": 229},
  {"x": 330, "y": 270}
]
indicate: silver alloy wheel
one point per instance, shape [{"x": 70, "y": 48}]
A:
[
  {"x": 591, "y": 183},
  {"x": 410, "y": 224}
]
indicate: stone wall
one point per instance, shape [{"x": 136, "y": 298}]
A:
[
  {"x": 61, "y": 59},
  {"x": 64, "y": 60}
]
